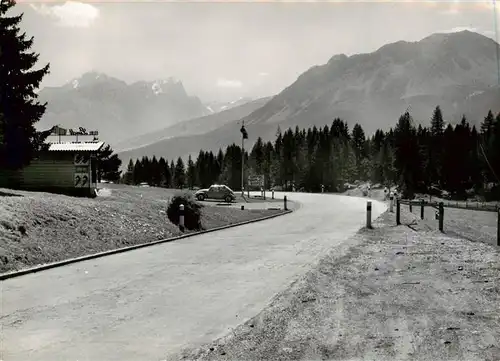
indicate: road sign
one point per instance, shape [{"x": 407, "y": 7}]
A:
[
  {"x": 256, "y": 181},
  {"x": 81, "y": 180}
]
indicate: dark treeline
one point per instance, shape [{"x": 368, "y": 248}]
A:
[{"x": 459, "y": 159}]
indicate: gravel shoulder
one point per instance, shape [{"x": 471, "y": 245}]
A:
[
  {"x": 391, "y": 293},
  {"x": 38, "y": 228}
]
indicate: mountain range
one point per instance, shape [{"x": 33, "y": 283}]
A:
[
  {"x": 116, "y": 109},
  {"x": 197, "y": 126},
  {"x": 457, "y": 71}
]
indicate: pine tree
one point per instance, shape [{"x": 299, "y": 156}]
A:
[
  {"x": 487, "y": 125},
  {"x": 108, "y": 164},
  {"x": 155, "y": 172},
  {"x": 146, "y": 170},
  {"x": 137, "y": 175},
  {"x": 359, "y": 147},
  {"x": 257, "y": 156},
  {"x": 191, "y": 173},
  {"x": 487, "y": 147},
  {"x": 19, "y": 109},
  {"x": 162, "y": 163},
  {"x": 173, "y": 183},
  {"x": 434, "y": 148},
  {"x": 129, "y": 175},
  {"x": 407, "y": 160},
  {"x": 166, "y": 174},
  {"x": 180, "y": 174}
]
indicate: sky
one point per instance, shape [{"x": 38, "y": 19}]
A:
[{"x": 225, "y": 50}]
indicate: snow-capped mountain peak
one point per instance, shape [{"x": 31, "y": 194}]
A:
[{"x": 156, "y": 87}]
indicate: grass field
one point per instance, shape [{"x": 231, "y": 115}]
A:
[{"x": 38, "y": 228}]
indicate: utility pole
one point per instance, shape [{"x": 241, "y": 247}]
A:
[{"x": 244, "y": 135}]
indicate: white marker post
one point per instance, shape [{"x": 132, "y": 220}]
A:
[
  {"x": 391, "y": 203},
  {"x": 181, "y": 217},
  {"x": 368, "y": 214}
]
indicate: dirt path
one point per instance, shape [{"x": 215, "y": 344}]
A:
[{"x": 395, "y": 294}]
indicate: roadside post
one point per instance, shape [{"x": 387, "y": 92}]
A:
[
  {"x": 368, "y": 214},
  {"x": 498, "y": 227},
  {"x": 422, "y": 205},
  {"x": 391, "y": 203},
  {"x": 286, "y": 208},
  {"x": 181, "y": 217},
  {"x": 398, "y": 212},
  {"x": 272, "y": 190},
  {"x": 242, "y": 207},
  {"x": 410, "y": 207},
  {"x": 441, "y": 216}
]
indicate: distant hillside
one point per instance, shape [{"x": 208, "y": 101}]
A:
[
  {"x": 191, "y": 127},
  {"x": 374, "y": 89},
  {"x": 96, "y": 101},
  {"x": 215, "y": 107},
  {"x": 456, "y": 71},
  {"x": 192, "y": 135}
]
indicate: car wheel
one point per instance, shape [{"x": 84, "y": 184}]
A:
[
  {"x": 228, "y": 199},
  {"x": 201, "y": 197}
]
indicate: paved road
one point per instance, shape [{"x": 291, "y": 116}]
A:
[{"x": 146, "y": 304}]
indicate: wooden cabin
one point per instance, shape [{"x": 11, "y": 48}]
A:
[{"x": 69, "y": 166}]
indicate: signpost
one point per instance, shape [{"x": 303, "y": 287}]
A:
[{"x": 258, "y": 182}]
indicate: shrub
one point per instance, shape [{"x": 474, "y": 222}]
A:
[{"x": 192, "y": 211}]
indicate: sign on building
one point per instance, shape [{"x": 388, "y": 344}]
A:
[
  {"x": 81, "y": 180},
  {"x": 81, "y": 177},
  {"x": 81, "y": 159}
]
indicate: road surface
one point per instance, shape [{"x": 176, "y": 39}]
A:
[{"x": 148, "y": 303}]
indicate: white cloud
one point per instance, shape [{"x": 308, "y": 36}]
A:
[
  {"x": 263, "y": 74},
  {"x": 70, "y": 14},
  {"x": 229, "y": 83}
]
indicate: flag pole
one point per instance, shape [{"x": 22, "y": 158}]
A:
[
  {"x": 496, "y": 39},
  {"x": 242, "y": 159}
]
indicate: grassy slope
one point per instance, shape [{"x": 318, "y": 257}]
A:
[
  {"x": 37, "y": 228},
  {"x": 394, "y": 293}
]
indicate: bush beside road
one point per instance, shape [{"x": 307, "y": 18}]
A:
[
  {"x": 392, "y": 293},
  {"x": 38, "y": 228}
]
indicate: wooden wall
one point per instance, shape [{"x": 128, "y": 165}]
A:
[{"x": 50, "y": 172}]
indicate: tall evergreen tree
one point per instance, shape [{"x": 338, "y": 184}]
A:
[
  {"x": 407, "y": 155},
  {"x": 129, "y": 174},
  {"x": 138, "y": 172},
  {"x": 155, "y": 172},
  {"x": 191, "y": 173},
  {"x": 19, "y": 108},
  {"x": 180, "y": 173},
  {"x": 434, "y": 148},
  {"x": 173, "y": 183}
]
